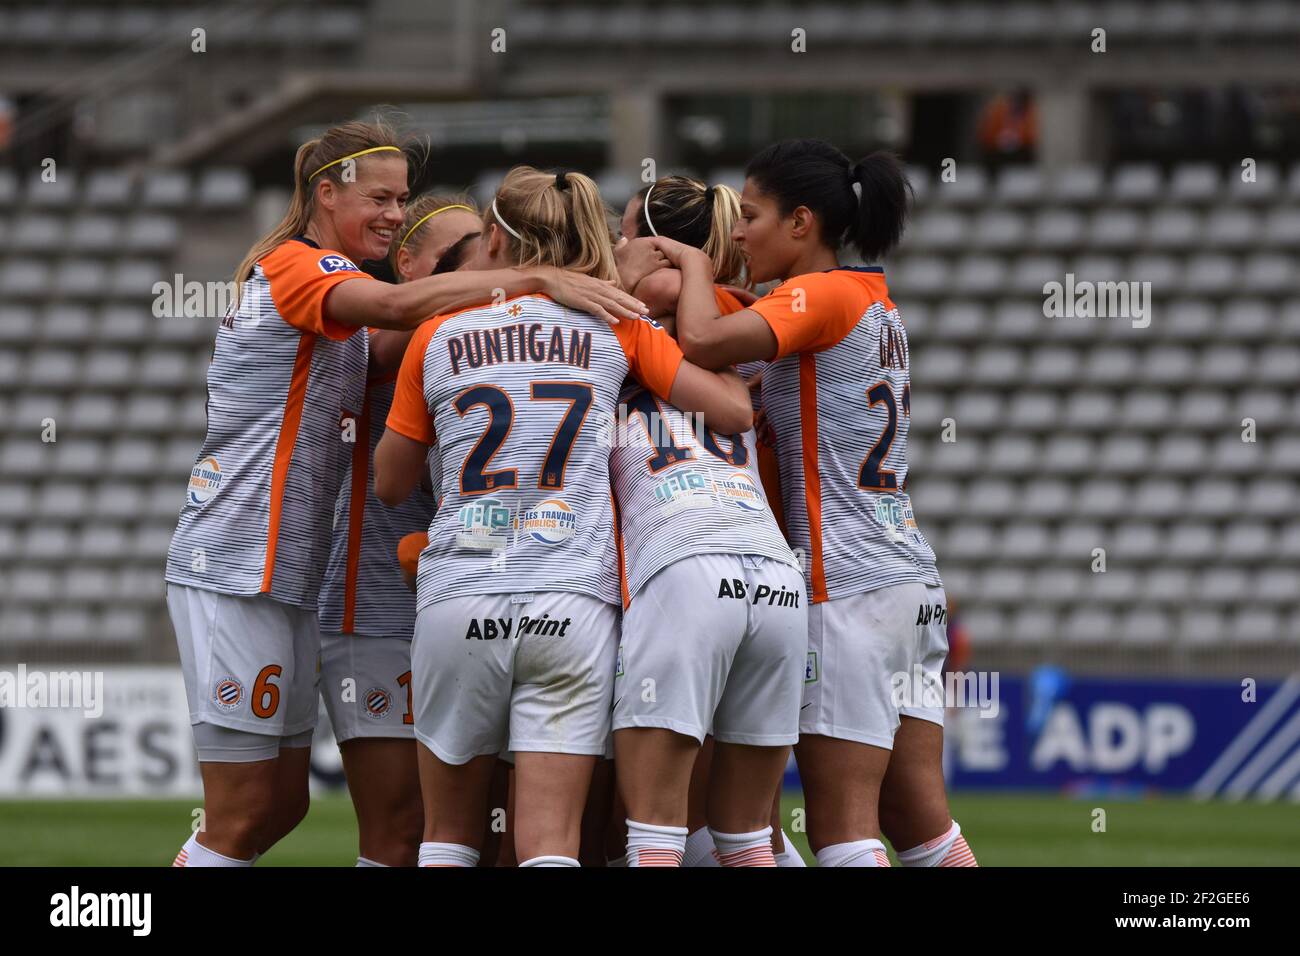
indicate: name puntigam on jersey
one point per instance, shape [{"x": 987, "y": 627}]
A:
[
  {"x": 520, "y": 399},
  {"x": 838, "y": 395},
  {"x": 258, "y": 511}
]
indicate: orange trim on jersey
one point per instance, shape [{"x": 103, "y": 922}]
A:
[
  {"x": 356, "y": 513},
  {"x": 408, "y": 551},
  {"x": 288, "y": 437},
  {"x": 769, "y": 473},
  {"x": 812, "y": 482},
  {"x": 618, "y": 543}
]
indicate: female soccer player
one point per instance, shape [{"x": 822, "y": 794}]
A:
[
  {"x": 715, "y": 627},
  {"x": 367, "y": 614},
  {"x": 516, "y": 632},
  {"x": 245, "y": 564},
  {"x": 838, "y": 396}
]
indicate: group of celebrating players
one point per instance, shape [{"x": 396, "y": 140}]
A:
[{"x": 629, "y": 602}]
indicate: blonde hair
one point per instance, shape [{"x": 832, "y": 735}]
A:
[
  {"x": 557, "y": 220},
  {"x": 419, "y": 213},
  {"x": 691, "y": 212},
  {"x": 316, "y": 159}
]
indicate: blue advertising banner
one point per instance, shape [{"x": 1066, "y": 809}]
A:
[
  {"x": 1234, "y": 739},
  {"x": 1085, "y": 735}
]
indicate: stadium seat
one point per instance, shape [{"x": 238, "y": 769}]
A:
[
  {"x": 162, "y": 188},
  {"x": 1136, "y": 183},
  {"x": 108, "y": 189}
]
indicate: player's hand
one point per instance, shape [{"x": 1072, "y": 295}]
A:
[
  {"x": 636, "y": 259},
  {"x": 600, "y": 297},
  {"x": 763, "y": 429},
  {"x": 676, "y": 252}
]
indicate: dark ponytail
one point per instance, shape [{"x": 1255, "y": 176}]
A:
[{"x": 813, "y": 173}]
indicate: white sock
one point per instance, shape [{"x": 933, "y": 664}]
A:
[
  {"x": 857, "y": 853},
  {"x": 364, "y": 861},
  {"x": 700, "y": 850},
  {"x": 744, "y": 849},
  {"x": 651, "y": 844},
  {"x": 550, "y": 861},
  {"x": 447, "y": 854},
  {"x": 194, "y": 853},
  {"x": 949, "y": 849},
  {"x": 789, "y": 856}
]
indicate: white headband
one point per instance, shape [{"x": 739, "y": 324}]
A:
[
  {"x": 645, "y": 208},
  {"x": 504, "y": 224}
]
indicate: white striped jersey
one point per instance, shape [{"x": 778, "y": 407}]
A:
[
  {"x": 364, "y": 592},
  {"x": 684, "y": 490},
  {"x": 520, "y": 398},
  {"x": 838, "y": 396},
  {"x": 260, "y": 502}
]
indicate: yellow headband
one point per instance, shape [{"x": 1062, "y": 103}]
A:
[
  {"x": 423, "y": 219},
  {"x": 344, "y": 159}
]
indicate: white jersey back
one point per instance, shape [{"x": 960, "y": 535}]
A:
[
  {"x": 684, "y": 490},
  {"x": 520, "y": 398}
]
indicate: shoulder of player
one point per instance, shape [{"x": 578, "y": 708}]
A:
[{"x": 300, "y": 252}]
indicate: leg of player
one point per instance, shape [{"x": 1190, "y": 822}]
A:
[
  {"x": 293, "y": 795},
  {"x": 239, "y": 811},
  {"x": 841, "y": 788},
  {"x": 914, "y": 804},
  {"x": 506, "y": 854},
  {"x": 455, "y": 803},
  {"x": 783, "y": 849},
  {"x": 595, "y": 817},
  {"x": 551, "y": 794},
  {"x": 498, "y": 816},
  {"x": 700, "y": 850},
  {"x": 739, "y": 806},
  {"x": 654, "y": 774},
  {"x": 384, "y": 782}
]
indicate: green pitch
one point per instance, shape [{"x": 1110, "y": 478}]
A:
[{"x": 1003, "y": 830}]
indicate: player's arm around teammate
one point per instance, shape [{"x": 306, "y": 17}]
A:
[
  {"x": 838, "y": 395},
  {"x": 367, "y": 613},
  {"x": 516, "y": 632},
  {"x": 245, "y": 564}
]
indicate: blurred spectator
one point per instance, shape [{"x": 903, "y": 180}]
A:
[
  {"x": 6, "y": 123},
  {"x": 1008, "y": 127}
]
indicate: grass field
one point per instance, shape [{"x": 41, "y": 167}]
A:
[{"x": 1003, "y": 830}]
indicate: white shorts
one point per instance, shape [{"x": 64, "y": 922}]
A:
[
  {"x": 532, "y": 672},
  {"x": 716, "y": 641},
  {"x": 366, "y": 685},
  {"x": 866, "y": 654},
  {"x": 250, "y": 663}
]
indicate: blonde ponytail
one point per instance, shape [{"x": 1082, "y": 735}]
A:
[{"x": 555, "y": 221}]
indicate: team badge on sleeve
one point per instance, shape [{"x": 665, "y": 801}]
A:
[{"x": 333, "y": 263}]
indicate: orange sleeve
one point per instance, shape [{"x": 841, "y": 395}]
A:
[
  {"x": 652, "y": 354},
  {"x": 810, "y": 312},
  {"x": 408, "y": 551},
  {"x": 300, "y": 277},
  {"x": 409, "y": 413},
  {"x": 727, "y": 303}
]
